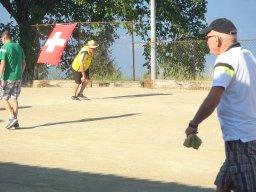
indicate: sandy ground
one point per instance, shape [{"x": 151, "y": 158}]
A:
[{"x": 121, "y": 140}]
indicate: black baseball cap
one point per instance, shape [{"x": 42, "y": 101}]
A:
[{"x": 221, "y": 25}]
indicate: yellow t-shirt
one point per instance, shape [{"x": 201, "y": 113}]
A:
[{"x": 85, "y": 57}]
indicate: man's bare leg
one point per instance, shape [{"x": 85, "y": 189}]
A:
[{"x": 84, "y": 85}]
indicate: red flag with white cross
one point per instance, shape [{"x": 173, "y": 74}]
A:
[{"x": 55, "y": 45}]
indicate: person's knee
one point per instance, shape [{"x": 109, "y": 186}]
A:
[
  {"x": 85, "y": 83},
  {"x": 5, "y": 100}
]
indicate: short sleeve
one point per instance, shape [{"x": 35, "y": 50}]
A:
[{"x": 223, "y": 75}]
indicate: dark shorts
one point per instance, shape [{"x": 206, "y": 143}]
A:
[
  {"x": 10, "y": 89},
  {"x": 238, "y": 172},
  {"x": 78, "y": 75}
]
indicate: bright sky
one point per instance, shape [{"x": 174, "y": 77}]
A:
[{"x": 241, "y": 12}]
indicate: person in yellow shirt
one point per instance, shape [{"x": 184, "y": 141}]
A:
[{"x": 80, "y": 69}]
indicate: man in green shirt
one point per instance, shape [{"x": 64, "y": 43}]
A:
[{"x": 11, "y": 68}]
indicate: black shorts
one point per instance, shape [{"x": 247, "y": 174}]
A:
[{"x": 78, "y": 75}]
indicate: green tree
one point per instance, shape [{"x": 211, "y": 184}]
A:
[
  {"x": 177, "y": 27},
  {"x": 28, "y": 12},
  {"x": 176, "y": 20}
]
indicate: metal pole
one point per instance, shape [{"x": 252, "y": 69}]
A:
[
  {"x": 153, "y": 40},
  {"x": 133, "y": 54}
]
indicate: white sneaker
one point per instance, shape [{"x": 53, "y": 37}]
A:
[{"x": 11, "y": 123}]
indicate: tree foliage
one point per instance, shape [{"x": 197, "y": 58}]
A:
[
  {"x": 29, "y": 13},
  {"x": 176, "y": 20},
  {"x": 178, "y": 23}
]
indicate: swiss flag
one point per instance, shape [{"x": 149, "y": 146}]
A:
[{"x": 54, "y": 46}]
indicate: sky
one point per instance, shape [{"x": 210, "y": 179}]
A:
[{"x": 241, "y": 12}]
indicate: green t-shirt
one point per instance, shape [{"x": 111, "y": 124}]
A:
[{"x": 13, "y": 55}]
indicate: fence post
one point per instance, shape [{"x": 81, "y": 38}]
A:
[
  {"x": 153, "y": 39},
  {"x": 133, "y": 53}
]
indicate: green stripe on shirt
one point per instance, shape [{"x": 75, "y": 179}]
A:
[{"x": 226, "y": 68}]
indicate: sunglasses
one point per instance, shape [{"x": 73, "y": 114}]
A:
[{"x": 208, "y": 37}]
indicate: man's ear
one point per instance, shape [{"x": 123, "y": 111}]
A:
[{"x": 219, "y": 42}]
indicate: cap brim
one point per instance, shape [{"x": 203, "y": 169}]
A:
[
  {"x": 205, "y": 30},
  {"x": 93, "y": 46}
]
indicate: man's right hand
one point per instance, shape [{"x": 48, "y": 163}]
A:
[{"x": 83, "y": 79}]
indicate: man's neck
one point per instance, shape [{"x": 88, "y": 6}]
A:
[{"x": 6, "y": 41}]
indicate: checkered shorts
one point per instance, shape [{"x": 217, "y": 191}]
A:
[
  {"x": 238, "y": 172},
  {"x": 10, "y": 89}
]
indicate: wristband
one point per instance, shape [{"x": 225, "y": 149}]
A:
[{"x": 192, "y": 125}]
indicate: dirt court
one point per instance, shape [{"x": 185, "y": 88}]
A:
[{"x": 121, "y": 140}]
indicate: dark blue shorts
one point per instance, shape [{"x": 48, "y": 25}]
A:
[
  {"x": 238, "y": 173},
  {"x": 78, "y": 75}
]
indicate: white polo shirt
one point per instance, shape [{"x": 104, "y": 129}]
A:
[{"x": 235, "y": 70}]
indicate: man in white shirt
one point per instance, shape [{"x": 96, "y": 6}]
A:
[{"x": 233, "y": 93}]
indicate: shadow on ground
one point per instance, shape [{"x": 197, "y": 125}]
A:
[
  {"x": 20, "y": 107},
  {"x": 79, "y": 121},
  {"x": 135, "y": 96},
  {"x": 22, "y": 178}
]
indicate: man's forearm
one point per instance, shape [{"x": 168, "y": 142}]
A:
[
  {"x": 23, "y": 66},
  {"x": 2, "y": 66},
  {"x": 208, "y": 105},
  {"x": 204, "y": 111},
  {"x": 82, "y": 70}
]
